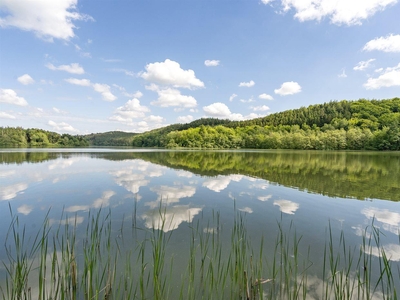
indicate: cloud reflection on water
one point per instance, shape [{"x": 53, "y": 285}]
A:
[
  {"x": 169, "y": 218},
  {"x": 11, "y": 191},
  {"x": 287, "y": 206}
]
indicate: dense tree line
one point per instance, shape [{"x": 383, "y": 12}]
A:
[
  {"x": 370, "y": 125},
  {"x": 112, "y": 138},
  {"x": 158, "y": 137},
  {"x": 19, "y": 137}
]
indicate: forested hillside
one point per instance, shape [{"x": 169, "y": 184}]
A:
[
  {"x": 111, "y": 138},
  {"x": 362, "y": 124},
  {"x": 158, "y": 137},
  {"x": 19, "y": 137}
]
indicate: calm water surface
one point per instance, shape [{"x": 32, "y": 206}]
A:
[{"x": 347, "y": 190}]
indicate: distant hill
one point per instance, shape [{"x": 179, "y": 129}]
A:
[
  {"x": 111, "y": 138},
  {"x": 337, "y": 125}
]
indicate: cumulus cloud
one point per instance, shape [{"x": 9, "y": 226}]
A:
[
  {"x": 131, "y": 110},
  {"x": 63, "y": 127},
  {"x": 103, "y": 89},
  {"x": 266, "y": 1},
  {"x": 217, "y": 109},
  {"x": 170, "y": 72},
  {"x": 4, "y": 115},
  {"x": 172, "y": 97},
  {"x": 211, "y": 63},
  {"x": 340, "y": 12},
  {"x": 81, "y": 82},
  {"x": 220, "y": 183},
  {"x": 25, "y": 79},
  {"x": 73, "y": 68},
  {"x": 233, "y": 96},
  {"x": 389, "y": 77},
  {"x": 137, "y": 94},
  {"x": 390, "y": 43},
  {"x": 265, "y": 97},
  {"x": 220, "y": 110},
  {"x": 10, "y": 96},
  {"x": 260, "y": 108},
  {"x": 362, "y": 65},
  {"x": 154, "y": 119},
  {"x": 286, "y": 206},
  {"x": 185, "y": 119},
  {"x": 47, "y": 19},
  {"x": 288, "y": 88},
  {"x": 247, "y": 84}
]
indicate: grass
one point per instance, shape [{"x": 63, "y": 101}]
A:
[{"x": 137, "y": 263}]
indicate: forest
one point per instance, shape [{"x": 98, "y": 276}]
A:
[
  {"x": 19, "y": 137},
  {"x": 337, "y": 125}
]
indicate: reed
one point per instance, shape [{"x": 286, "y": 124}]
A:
[{"x": 129, "y": 262}]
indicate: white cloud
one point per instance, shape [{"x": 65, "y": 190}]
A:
[
  {"x": 288, "y": 88},
  {"x": 63, "y": 127},
  {"x": 104, "y": 90},
  {"x": 247, "y": 84},
  {"x": 260, "y": 108},
  {"x": 343, "y": 74},
  {"x": 47, "y": 19},
  {"x": 340, "y": 11},
  {"x": 25, "y": 79},
  {"x": 390, "y": 77},
  {"x": 362, "y": 65},
  {"x": 172, "y": 97},
  {"x": 211, "y": 63},
  {"x": 233, "y": 96},
  {"x": 185, "y": 119},
  {"x": 170, "y": 72},
  {"x": 137, "y": 94},
  {"x": 131, "y": 110},
  {"x": 10, "y": 96},
  {"x": 81, "y": 82},
  {"x": 220, "y": 110},
  {"x": 125, "y": 71},
  {"x": 247, "y": 101},
  {"x": 390, "y": 43},
  {"x": 154, "y": 119},
  {"x": 265, "y": 97},
  {"x": 286, "y": 206},
  {"x": 4, "y": 115},
  {"x": 73, "y": 68},
  {"x": 217, "y": 109},
  {"x": 266, "y": 1}
]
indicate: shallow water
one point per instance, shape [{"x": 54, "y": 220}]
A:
[{"x": 348, "y": 190}]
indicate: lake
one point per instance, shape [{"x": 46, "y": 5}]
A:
[{"x": 300, "y": 217}]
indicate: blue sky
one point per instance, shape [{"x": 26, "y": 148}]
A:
[{"x": 83, "y": 66}]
